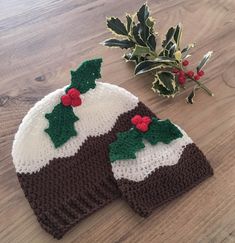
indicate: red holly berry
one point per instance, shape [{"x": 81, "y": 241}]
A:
[
  {"x": 190, "y": 73},
  {"x": 76, "y": 102},
  {"x": 136, "y": 119},
  {"x": 66, "y": 100},
  {"x": 146, "y": 120},
  {"x": 143, "y": 127},
  {"x": 73, "y": 93},
  {"x": 181, "y": 73},
  {"x": 197, "y": 77},
  {"x": 185, "y": 63},
  {"x": 200, "y": 73},
  {"x": 182, "y": 79},
  {"x": 175, "y": 70}
]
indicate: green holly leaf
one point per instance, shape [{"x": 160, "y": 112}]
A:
[
  {"x": 161, "y": 131},
  {"x": 84, "y": 77},
  {"x": 124, "y": 44},
  {"x": 165, "y": 84},
  {"x": 186, "y": 50},
  {"x": 126, "y": 145},
  {"x": 136, "y": 34},
  {"x": 151, "y": 42},
  {"x": 140, "y": 51},
  {"x": 116, "y": 26},
  {"x": 149, "y": 65},
  {"x": 204, "y": 60},
  {"x": 129, "y": 22},
  {"x": 142, "y": 15},
  {"x": 61, "y": 124},
  {"x": 171, "y": 44}
]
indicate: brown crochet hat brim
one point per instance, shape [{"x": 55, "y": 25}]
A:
[
  {"x": 68, "y": 189},
  {"x": 166, "y": 183}
]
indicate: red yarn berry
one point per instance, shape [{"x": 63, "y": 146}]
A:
[
  {"x": 200, "y": 73},
  {"x": 181, "y": 73},
  {"x": 175, "y": 70},
  {"x": 146, "y": 120},
  {"x": 66, "y": 100},
  {"x": 73, "y": 93},
  {"x": 185, "y": 63},
  {"x": 197, "y": 77},
  {"x": 76, "y": 102},
  {"x": 136, "y": 119},
  {"x": 182, "y": 79},
  {"x": 143, "y": 127},
  {"x": 190, "y": 73}
]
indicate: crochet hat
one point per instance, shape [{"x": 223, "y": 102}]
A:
[
  {"x": 154, "y": 162},
  {"x": 61, "y": 149},
  {"x": 88, "y": 143}
]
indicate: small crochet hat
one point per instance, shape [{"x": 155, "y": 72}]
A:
[
  {"x": 61, "y": 149},
  {"x": 86, "y": 144},
  {"x": 154, "y": 162}
]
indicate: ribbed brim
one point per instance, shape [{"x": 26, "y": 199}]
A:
[
  {"x": 166, "y": 183},
  {"x": 58, "y": 220}
]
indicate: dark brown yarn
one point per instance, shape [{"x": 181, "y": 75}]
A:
[
  {"x": 166, "y": 183},
  {"x": 69, "y": 189}
]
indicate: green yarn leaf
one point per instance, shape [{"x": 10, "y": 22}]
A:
[
  {"x": 126, "y": 145},
  {"x": 129, "y": 142},
  {"x": 84, "y": 77},
  {"x": 61, "y": 124},
  {"x": 161, "y": 131}
]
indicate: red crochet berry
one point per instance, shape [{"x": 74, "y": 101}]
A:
[
  {"x": 181, "y": 73},
  {"x": 185, "y": 63},
  {"x": 181, "y": 79},
  {"x": 76, "y": 102},
  {"x": 66, "y": 100},
  {"x": 190, "y": 73},
  {"x": 197, "y": 77},
  {"x": 146, "y": 120},
  {"x": 175, "y": 70},
  {"x": 136, "y": 119},
  {"x": 73, "y": 93},
  {"x": 143, "y": 127},
  {"x": 200, "y": 73}
]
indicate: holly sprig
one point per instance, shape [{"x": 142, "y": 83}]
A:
[
  {"x": 152, "y": 130},
  {"x": 168, "y": 62},
  {"x": 62, "y": 118}
]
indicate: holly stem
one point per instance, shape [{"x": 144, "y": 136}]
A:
[{"x": 202, "y": 86}]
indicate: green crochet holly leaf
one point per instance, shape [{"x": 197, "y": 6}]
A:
[
  {"x": 161, "y": 131},
  {"x": 61, "y": 124},
  {"x": 126, "y": 145},
  {"x": 84, "y": 77}
]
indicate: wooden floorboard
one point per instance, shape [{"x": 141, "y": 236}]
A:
[{"x": 40, "y": 41}]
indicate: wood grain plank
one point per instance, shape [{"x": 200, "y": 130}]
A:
[{"x": 41, "y": 41}]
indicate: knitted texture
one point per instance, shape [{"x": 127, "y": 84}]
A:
[
  {"x": 82, "y": 79},
  {"x": 61, "y": 126},
  {"x": 160, "y": 172},
  {"x": 68, "y": 177},
  {"x": 62, "y": 118},
  {"x": 166, "y": 182},
  {"x": 161, "y": 131},
  {"x": 129, "y": 142},
  {"x": 126, "y": 145},
  {"x": 66, "y": 184}
]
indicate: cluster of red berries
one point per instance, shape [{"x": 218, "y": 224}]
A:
[
  {"x": 141, "y": 123},
  {"x": 183, "y": 75},
  {"x": 72, "y": 98}
]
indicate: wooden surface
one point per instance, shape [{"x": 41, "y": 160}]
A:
[{"x": 40, "y": 41}]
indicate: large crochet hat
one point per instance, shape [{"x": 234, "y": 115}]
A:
[
  {"x": 61, "y": 153},
  {"x": 88, "y": 143}
]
